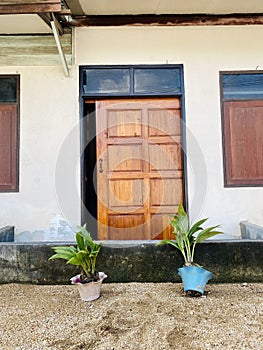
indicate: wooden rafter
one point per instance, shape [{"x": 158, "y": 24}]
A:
[
  {"x": 48, "y": 17},
  {"x": 168, "y": 20},
  {"x": 29, "y": 6}
]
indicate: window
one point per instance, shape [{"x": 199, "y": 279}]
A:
[
  {"x": 9, "y": 106},
  {"x": 137, "y": 81},
  {"x": 242, "y": 124}
]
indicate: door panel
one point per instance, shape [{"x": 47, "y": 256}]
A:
[
  {"x": 132, "y": 224},
  {"x": 165, "y": 156},
  {"x": 125, "y": 157},
  {"x": 139, "y": 167},
  {"x": 165, "y": 192},
  {"x": 164, "y": 122},
  {"x": 124, "y": 123},
  {"x": 125, "y": 193}
]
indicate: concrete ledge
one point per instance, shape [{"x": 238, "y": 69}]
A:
[{"x": 229, "y": 261}]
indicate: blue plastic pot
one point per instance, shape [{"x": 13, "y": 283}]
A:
[{"x": 194, "y": 278}]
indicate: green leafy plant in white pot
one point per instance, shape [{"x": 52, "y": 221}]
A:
[
  {"x": 84, "y": 255},
  {"x": 187, "y": 236}
]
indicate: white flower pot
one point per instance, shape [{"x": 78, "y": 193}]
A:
[{"x": 91, "y": 290}]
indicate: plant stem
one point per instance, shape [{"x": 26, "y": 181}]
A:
[
  {"x": 86, "y": 271},
  {"x": 185, "y": 259},
  {"x": 188, "y": 249},
  {"x": 93, "y": 264},
  {"x": 193, "y": 251}
]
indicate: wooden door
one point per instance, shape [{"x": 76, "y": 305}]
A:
[{"x": 139, "y": 167}]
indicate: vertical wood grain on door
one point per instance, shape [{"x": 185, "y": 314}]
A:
[{"x": 139, "y": 167}]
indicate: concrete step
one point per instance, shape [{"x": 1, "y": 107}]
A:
[{"x": 124, "y": 261}]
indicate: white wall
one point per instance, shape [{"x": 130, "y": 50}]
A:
[
  {"x": 204, "y": 51},
  {"x": 49, "y": 202},
  {"x": 48, "y": 115}
]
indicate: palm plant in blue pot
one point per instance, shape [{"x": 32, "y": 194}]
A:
[{"x": 187, "y": 236}]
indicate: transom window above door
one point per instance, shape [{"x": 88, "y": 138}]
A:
[{"x": 131, "y": 80}]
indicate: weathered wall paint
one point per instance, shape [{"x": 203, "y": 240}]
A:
[
  {"x": 49, "y": 113},
  {"x": 48, "y": 203}
]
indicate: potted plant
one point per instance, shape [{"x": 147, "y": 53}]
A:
[
  {"x": 83, "y": 255},
  {"x": 194, "y": 277}
]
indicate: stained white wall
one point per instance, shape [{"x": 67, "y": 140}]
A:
[
  {"x": 48, "y": 202},
  {"x": 48, "y": 117},
  {"x": 204, "y": 51}
]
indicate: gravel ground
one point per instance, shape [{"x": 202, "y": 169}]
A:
[{"x": 144, "y": 316}]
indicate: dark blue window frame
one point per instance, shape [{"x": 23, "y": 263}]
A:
[
  {"x": 176, "y": 71},
  {"x": 241, "y": 85}
]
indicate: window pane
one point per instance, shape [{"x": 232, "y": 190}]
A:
[
  {"x": 243, "y": 86},
  {"x": 160, "y": 80},
  {"x": 101, "y": 81},
  {"x": 8, "y": 90}
]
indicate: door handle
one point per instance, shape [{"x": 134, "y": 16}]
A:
[{"x": 100, "y": 168}]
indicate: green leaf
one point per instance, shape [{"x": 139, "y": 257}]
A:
[
  {"x": 84, "y": 255},
  {"x": 84, "y": 232},
  {"x": 163, "y": 242},
  {"x": 185, "y": 238},
  {"x": 207, "y": 233},
  {"x": 88, "y": 242},
  {"x": 182, "y": 219},
  {"x": 168, "y": 241},
  {"x": 62, "y": 252},
  {"x": 173, "y": 222},
  {"x": 181, "y": 241},
  {"x": 64, "y": 249},
  {"x": 80, "y": 241},
  {"x": 65, "y": 256},
  {"x": 74, "y": 261},
  {"x": 196, "y": 227}
]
